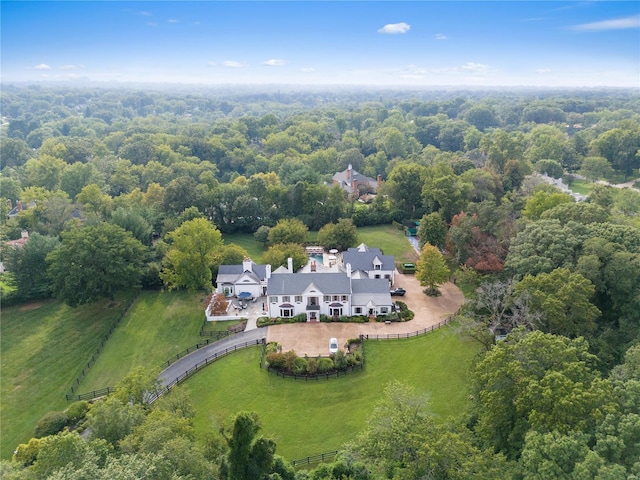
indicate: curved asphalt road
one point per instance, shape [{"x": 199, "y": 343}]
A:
[{"x": 177, "y": 369}]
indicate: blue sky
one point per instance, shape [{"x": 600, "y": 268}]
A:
[{"x": 413, "y": 44}]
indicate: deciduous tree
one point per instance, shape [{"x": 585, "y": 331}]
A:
[
  {"x": 536, "y": 381},
  {"x": 29, "y": 267},
  {"x": 564, "y": 299},
  {"x": 341, "y": 235},
  {"x": 194, "y": 249},
  {"x": 250, "y": 456},
  {"x": 277, "y": 255},
  {"x": 431, "y": 269},
  {"x": 95, "y": 262}
]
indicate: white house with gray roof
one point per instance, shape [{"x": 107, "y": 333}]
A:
[
  {"x": 326, "y": 293},
  {"x": 249, "y": 277},
  {"x": 370, "y": 262}
]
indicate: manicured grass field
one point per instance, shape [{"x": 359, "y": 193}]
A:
[
  {"x": 245, "y": 240},
  {"x": 390, "y": 240},
  {"x": 306, "y": 418},
  {"x": 43, "y": 347},
  {"x": 159, "y": 325}
]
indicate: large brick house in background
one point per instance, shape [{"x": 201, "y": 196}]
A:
[{"x": 356, "y": 184}]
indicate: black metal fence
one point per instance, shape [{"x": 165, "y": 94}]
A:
[
  {"x": 187, "y": 351},
  {"x": 395, "y": 336},
  {"x": 317, "y": 376},
  {"x": 92, "y": 395},
  {"x": 320, "y": 457},
  {"x": 197, "y": 367},
  {"x": 85, "y": 369},
  {"x": 207, "y": 361},
  {"x": 217, "y": 334}
]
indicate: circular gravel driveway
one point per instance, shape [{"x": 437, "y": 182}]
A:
[{"x": 313, "y": 338}]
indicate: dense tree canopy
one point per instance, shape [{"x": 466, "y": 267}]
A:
[
  {"x": 194, "y": 250},
  {"x": 95, "y": 262}
]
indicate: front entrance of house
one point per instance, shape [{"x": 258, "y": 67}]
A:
[{"x": 312, "y": 316}]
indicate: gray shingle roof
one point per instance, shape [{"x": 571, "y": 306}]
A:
[
  {"x": 297, "y": 283},
  {"x": 374, "y": 290},
  {"x": 229, "y": 273},
  {"x": 370, "y": 285},
  {"x": 362, "y": 258}
]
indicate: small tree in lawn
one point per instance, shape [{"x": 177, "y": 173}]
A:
[{"x": 431, "y": 269}]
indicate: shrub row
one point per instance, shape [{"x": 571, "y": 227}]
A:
[
  {"x": 404, "y": 315},
  {"x": 289, "y": 362}
]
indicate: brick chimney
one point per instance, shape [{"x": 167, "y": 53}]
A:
[
  {"x": 379, "y": 179},
  {"x": 313, "y": 265}
]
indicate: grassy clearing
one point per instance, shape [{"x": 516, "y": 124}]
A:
[
  {"x": 306, "y": 418},
  {"x": 581, "y": 186},
  {"x": 245, "y": 240},
  {"x": 43, "y": 347},
  {"x": 158, "y": 326},
  {"x": 390, "y": 240}
]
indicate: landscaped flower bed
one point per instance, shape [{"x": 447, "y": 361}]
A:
[{"x": 290, "y": 363}]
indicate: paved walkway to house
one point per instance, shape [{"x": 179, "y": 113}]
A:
[{"x": 313, "y": 338}]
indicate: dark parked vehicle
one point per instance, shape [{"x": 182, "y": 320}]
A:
[{"x": 398, "y": 292}]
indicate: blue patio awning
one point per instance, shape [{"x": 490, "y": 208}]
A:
[{"x": 245, "y": 295}]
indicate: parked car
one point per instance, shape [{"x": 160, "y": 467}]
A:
[
  {"x": 398, "y": 292},
  {"x": 333, "y": 345}
]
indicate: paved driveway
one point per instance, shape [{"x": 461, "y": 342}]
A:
[{"x": 313, "y": 338}]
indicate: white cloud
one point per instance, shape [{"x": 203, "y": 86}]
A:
[
  {"x": 42, "y": 66},
  {"x": 395, "y": 28},
  {"x": 233, "y": 64},
  {"x": 474, "y": 67},
  {"x": 440, "y": 36},
  {"x": 212, "y": 64},
  {"x": 613, "y": 24},
  {"x": 71, "y": 67},
  {"x": 274, "y": 62},
  {"x": 543, "y": 70}
]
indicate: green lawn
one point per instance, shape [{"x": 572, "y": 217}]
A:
[
  {"x": 581, "y": 186},
  {"x": 245, "y": 240},
  {"x": 390, "y": 240},
  {"x": 306, "y": 418},
  {"x": 159, "y": 325},
  {"x": 43, "y": 347}
]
